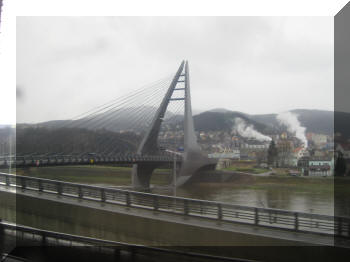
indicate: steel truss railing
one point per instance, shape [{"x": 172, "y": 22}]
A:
[
  {"x": 265, "y": 217},
  {"x": 56, "y": 160},
  {"x": 39, "y": 237}
]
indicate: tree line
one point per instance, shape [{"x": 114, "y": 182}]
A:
[{"x": 41, "y": 140}]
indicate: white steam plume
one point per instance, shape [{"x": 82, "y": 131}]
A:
[
  {"x": 293, "y": 125},
  {"x": 248, "y": 130}
]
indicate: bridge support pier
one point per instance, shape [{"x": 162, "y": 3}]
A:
[
  {"x": 193, "y": 164},
  {"x": 141, "y": 175}
]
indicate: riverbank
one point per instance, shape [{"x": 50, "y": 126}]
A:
[
  {"x": 111, "y": 175},
  {"x": 252, "y": 170},
  {"x": 121, "y": 176},
  {"x": 303, "y": 194},
  {"x": 303, "y": 184}
]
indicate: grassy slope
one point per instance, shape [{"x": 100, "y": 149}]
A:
[
  {"x": 246, "y": 169},
  {"x": 93, "y": 174},
  {"x": 301, "y": 184},
  {"x": 280, "y": 179},
  {"x": 122, "y": 176}
]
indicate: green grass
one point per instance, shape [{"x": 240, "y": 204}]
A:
[
  {"x": 280, "y": 171},
  {"x": 321, "y": 185},
  {"x": 93, "y": 174},
  {"x": 246, "y": 169},
  {"x": 120, "y": 176},
  {"x": 300, "y": 184}
]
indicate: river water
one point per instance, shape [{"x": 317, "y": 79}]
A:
[
  {"x": 310, "y": 195},
  {"x": 280, "y": 198},
  {"x": 265, "y": 196}
]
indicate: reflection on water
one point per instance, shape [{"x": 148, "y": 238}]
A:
[
  {"x": 318, "y": 200},
  {"x": 279, "y": 198}
]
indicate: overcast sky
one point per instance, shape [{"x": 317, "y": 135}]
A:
[{"x": 66, "y": 66}]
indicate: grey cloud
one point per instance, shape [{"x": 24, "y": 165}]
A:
[{"x": 249, "y": 64}]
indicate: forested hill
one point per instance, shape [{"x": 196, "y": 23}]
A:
[
  {"x": 225, "y": 121},
  {"x": 316, "y": 121},
  {"x": 40, "y": 140},
  {"x": 46, "y": 137}
]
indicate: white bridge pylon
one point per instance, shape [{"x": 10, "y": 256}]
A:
[{"x": 193, "y": 159}]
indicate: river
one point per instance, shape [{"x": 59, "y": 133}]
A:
[
  {"x": 302, "y": 194},
  {"x": 277, "y": 197},
  {"x": 316, "y": 198}
]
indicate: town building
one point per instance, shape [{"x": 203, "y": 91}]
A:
[
  {"x": 316, "y": 166},
  {"x": 319, "y": 139},
  {"x": 285, "y": 148},
  {"x": 232, "y": 154},
  {"x": 320, "y": 170}
]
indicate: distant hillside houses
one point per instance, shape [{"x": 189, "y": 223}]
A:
[
  {"x": 255, "y": 145},
  {"x": 234, "y": 154},
  {"x": 319, "y": 140}
]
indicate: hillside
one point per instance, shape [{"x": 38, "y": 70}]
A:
[
  {"x": 135, "y": 118},
  {"x": 317, "y": 121},
  {"x": 40, "y": 140},
  {"x": 224, "y": 121},
  {"x": 46, "y": 137},
  {"x": 7, "y": 140}
]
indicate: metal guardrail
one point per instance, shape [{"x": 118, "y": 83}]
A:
[
  {"x": 50, "y": 238},
  {"x": 54, "y": 160},
  {"x": 274, "y": 218}
]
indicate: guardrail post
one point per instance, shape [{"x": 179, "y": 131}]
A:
[
  {"x": 23, "y": 183},
  {"x": 185, "y": 207},
  {"x": 296, "y": 221},
  {"x": 340, "y": 225},
  {"x": 40, "y": 186},
  {"x": 127, "y": 199},
  {"x": 256, "y": 219},
  {"x": 219, "y": 212},
  {"x": 80, "y": 192},
  {"x": 155, "y": 202},
  {"x": 103, "y": 195},
  {"x": 59, "y": 188},
  {"x": 7, "y": 178}
]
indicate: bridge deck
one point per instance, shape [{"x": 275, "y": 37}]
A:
[{"x": 59, "y": 160}]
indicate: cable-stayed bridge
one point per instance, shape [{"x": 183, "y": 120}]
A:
[{"x": 148, "y": 128}]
